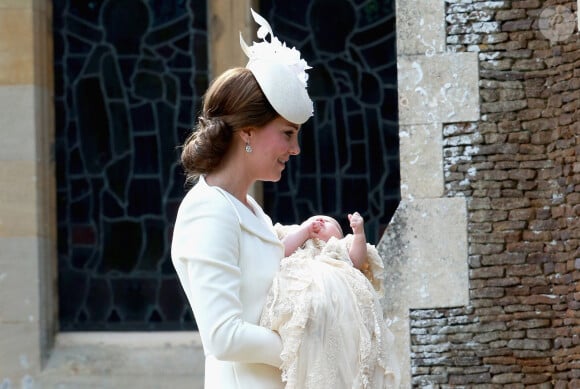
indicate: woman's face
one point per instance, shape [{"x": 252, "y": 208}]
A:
[{"x": 272, "y": 147}]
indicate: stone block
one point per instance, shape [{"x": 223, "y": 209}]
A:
[
  {"x": 442, "y": 88},
  {"x": 16, "y": 46},
  {"x": 18, "y": 276},
  {"x": 18, "y": 205},
  {"x": 20, "y": 356},
  {"x": 420, "y": 27},
  {"x": 18, "y": 140},
  {"x": 425, "y": 252},
  {"x": 421, "y": 159}
]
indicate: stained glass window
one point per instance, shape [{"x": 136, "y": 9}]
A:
[
  {"x": 350, "y": 151},
  {"x": 128, "y": 79}
]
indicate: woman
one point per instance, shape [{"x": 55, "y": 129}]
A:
[{"x": 224, "y": 248}]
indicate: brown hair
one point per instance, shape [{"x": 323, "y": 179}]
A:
[{"x": 233, "y": 101}]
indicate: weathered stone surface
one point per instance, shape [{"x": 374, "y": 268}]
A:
[
  {"x": 420, "y": 27},
  {"x": 436, "y": 251},
  {"x": 404, "y": 251},
  {"x": 421, "y": 161},
  {"x": 522, "y": 187},
  {"x": 125, "y": 360},
  {"x": 433, "y": 89}
]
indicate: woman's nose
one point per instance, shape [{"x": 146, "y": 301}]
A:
[{"x": 295, "y": 148}]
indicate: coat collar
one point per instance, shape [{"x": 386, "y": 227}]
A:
[{"x": 256, "y": 222}]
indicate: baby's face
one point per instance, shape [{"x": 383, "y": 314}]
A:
[{"x": 329, "y": 227}]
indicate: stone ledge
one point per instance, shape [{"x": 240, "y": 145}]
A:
[{"x": 125, "y": 359}]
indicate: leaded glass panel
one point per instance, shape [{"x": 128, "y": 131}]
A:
[
  {"x": 350, "y": 150},
  {"x": 128, "y": 79}
]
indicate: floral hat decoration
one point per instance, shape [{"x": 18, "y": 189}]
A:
[{"x": 280, "y": 72}]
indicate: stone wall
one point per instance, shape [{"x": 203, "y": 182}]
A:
[{"x": 519, "y": 170}]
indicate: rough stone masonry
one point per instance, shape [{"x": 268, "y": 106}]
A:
[{"x": 519, "y": 170}]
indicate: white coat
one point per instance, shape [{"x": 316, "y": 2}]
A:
[{"x": 226, "y": 257}]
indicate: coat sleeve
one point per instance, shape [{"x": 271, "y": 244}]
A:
[{"x": 205, "y": 253}]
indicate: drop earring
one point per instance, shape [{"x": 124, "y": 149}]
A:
[{"x": 248, "y": 148}]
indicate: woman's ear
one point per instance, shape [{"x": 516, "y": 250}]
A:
[{"x": 246, "y": 134}]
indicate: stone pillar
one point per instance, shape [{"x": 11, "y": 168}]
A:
[
  {"x": 27, "y": 193},
  {"x": 425, "y": 245}
]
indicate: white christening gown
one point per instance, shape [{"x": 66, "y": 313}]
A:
[{"x": 330, "y": 319}]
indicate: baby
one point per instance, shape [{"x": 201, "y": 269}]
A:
[
  {"x": 324, "y": 227},
  {"x": 324, "y": 303}
]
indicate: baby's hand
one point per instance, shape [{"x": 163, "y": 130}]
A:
[
  {"x": 357, "y": 223},
  {"x": 312, "y": 227}
]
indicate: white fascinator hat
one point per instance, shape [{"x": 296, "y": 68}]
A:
[{"x": 280, "y": 72}]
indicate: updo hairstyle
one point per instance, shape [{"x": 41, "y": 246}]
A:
[{"x": 233, "y": 101}]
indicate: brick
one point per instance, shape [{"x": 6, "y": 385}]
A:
[
  {"x": 543, "y": 225},
  {"x": 530, "y": 379},
  {"x": 506, "y": 165},
  {"x": 485, "y": 249},
  {"x": 537, "y": 164},
  {"x": 509, "y": 226},
  {"x": 504, "y": 203},
  {"x": 487, "y": 272},
  {"x": 541, "y": 124},
  {"x": 504, "y": 259},
  {"x": 488, "y": 215},
  {"x": 524, "y": 270},
  {"x": 536, "y": 236},
  {"x": 487, "y": 293},
  {"x": 499, "y": 360},
  {"x": 505, "y": 282},
  {"x": 522, "y": 214},
  {"x": 538, "y": 258},
  {"x": 526, "y": 4},
  {"x": 529, "y": 344},
  {"x": 541, "y": 333},
  {"x": 469, "y": 379},
  {"x": 503, "y": 106},
  {"x": 519, "y": 137},
  {"x": 529, "y": 114},
  {"x": 478, "y": 203},
  {"x": 528, "y": 65},
  {"x": 532, "y": 149},
  {"x": 508, "y": 378},
  {"x": 496, "y": 237},
  {"x": 510, "y": 14},
  {"x": 517, "y": 25},
  {"x": 526, "y": 247},
  {"x": 541, "y": 299}
]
